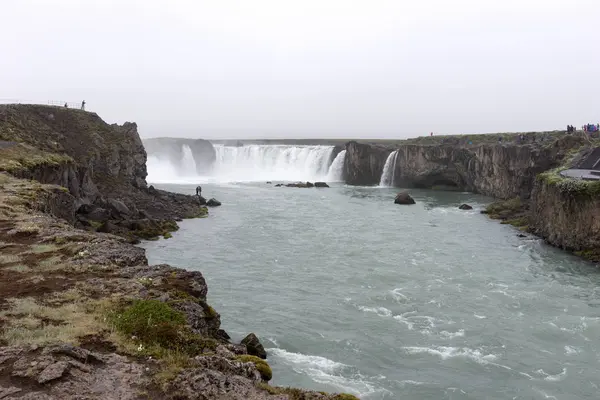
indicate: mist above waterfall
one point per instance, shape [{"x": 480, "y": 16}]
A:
[{"x": 250, "y": 163}]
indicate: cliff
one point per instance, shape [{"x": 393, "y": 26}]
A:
[
  {"x": 103, "y": 166},
  {"x": 82, "y": 314},
  {"x": 565, "y": 211},
  {"x": 499, "y": 169},
  {"x": 524, "y": 171}
]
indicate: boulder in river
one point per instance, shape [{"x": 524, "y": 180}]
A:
[
  {"x": 213, "y": 202},
  {"x": 254, "y": 347},
  {"x": 301, "y": 184},
  {"x": 321, "y": 185},
  {"x": 403, "y": 198},
  {"x": 279, "y": 185},
  {"x": 465, "y": 207},
  {"x": 201, "y": 200}
]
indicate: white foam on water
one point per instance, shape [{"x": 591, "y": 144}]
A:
[
  {"x": 552, "y": 378},
  {"x": 452, "y": 335},
  {"x": 570, "y": 350},
  {"x": 446, "y": 353},
  {"x": 381, "y": 311},
  {"x": 398, "y": 296},
  {"x": 323, "y": 370}
]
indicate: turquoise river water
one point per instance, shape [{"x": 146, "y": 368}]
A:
[{"x": 350, "y": 292}]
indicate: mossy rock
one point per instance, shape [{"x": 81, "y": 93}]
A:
[
  {"x": 261, "y": 365},
  {"x": 590, "y": 254}
]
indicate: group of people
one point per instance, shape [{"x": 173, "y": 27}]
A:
[
  {"x": 82, "y": 105},
  {"x": 585, "y": 128}
]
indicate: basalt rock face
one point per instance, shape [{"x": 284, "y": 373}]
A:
[
  {"x": 565, "y": 219},
  {"x": 172, "y": 149},
  {"x": 498, "y": 170},
  {"x": 96, "y": 162},
  {"x": 364, "y": 163}
]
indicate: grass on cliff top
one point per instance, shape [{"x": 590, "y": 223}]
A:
[
  {"x": 29, "y": 322},
  {"x": 21, "y": 157}
]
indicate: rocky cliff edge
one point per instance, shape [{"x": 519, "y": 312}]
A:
[{"x": 82, "y": 314}]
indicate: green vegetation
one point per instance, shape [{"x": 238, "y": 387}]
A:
[
  {"x": 261, "y": 365},
  {"x": 590, "y": 254},
  {"x": 504, "y": 209},
  {"x": 159, "y": 329},
  {"x": 153, "y": 230},
  {"x": 23, "y": 157}
]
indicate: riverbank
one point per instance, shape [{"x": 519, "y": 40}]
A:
[{"x": 82, "y": 312}]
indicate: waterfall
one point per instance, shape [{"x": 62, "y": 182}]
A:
[
  {"x": 249, "y": 163},
  {"x": 188, "y": 164},
  {"x": 336, "y": 170},
  {"x": 389, "y": 170},
  {"x": 271, "y": 163}
]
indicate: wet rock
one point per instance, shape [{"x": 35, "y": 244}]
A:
[
  {"x": 279, "y": 185},
  {"x": 201, "y": 200},
  {"x": 300, "y": 185},
  {"x": 321, "y": 185},
  {"x": 521, "y": 235},
  {"x": 403, "y": 198},
  {"x": 255, "y": 348},
  {"x": 465, "y": 207},
  {"x": 213, "y": 202},
  {"x": 269, "y": 182},
  {"x": 53, "y": 371}
]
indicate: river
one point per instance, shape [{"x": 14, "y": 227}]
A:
[{"x": 350, "y": 292}]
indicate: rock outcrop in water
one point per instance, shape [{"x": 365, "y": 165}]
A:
[
  {"x": 404, "y": 198},
  {"x": 83, "y": 314}
]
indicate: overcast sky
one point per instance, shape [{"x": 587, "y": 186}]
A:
[{"x": 309, "y": 68}]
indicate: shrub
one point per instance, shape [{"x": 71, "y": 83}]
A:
[{"x": 152, "y": 321}]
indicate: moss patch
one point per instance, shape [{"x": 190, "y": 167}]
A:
[
  {"x": 504, "y": 209},
  {"x": 21, "y": 157},
  {"x": 589, "y": 254},
  {"x": 261, "y": 365}
]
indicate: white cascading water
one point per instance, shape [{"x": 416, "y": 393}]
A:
[
  {"x": 389, "y": 170},
  {"x": 336, "y": 170},
  {"x": 188, "y": 164},
  {"x": 250, "y": 163},
  {"x": 253, "y": 163}
]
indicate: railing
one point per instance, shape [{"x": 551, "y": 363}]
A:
[{"x": 56, "y": 103}]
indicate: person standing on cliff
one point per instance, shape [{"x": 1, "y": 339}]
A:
[
  {"x": 83, "y": 105},
  {"x": 198, "y": 190}
]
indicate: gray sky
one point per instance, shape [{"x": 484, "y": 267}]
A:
[{"x": 308, "y": 68}]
